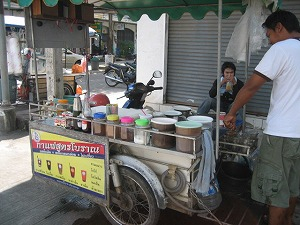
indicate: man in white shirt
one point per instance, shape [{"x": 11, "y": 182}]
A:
[{"x": 276, "y": 175}]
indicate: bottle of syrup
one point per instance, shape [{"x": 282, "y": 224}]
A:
[{"x": 77, "y": 110}]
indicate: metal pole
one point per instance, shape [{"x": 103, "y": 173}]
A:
[
  {"x": 86, "y": 36},
  {"x": 246, "y": 78},
  {"x": 3, "y": 61},
  {"x": 218, "y": 76},
  {"x": 34, "y": 55}
]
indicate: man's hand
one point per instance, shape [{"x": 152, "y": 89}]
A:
[{"x": 229, "y": 121}]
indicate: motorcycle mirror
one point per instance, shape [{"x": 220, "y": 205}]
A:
[
  {"x": 151, "y": 82},
  {"x": 157, "y": 74}
]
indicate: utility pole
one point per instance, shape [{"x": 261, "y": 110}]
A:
[
  {"x": 7, "y": 111},
  {"x": 110, "y": 32}
]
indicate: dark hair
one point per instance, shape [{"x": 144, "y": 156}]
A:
[
  {"x": 228, "y": 65},
  {"x": 286, "y": 18}
]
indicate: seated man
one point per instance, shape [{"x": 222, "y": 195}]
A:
[{"x": 230, "y": 86}]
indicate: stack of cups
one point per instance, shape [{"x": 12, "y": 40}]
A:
[{"x": 111, "y": 109}]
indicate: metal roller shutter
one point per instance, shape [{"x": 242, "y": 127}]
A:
[{"x": 192, "y": 59}]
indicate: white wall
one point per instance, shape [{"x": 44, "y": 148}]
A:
[{"x": 152, "y": 54}]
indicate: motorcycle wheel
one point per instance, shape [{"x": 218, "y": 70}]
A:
[
  {"x": 136, "y": 204},
  {"x": 110, "y": 82},
  {"x": 68, "y": 90}
]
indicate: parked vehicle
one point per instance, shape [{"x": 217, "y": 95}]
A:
[
  {"x": 116, "y": 74},
  {"x": 136, "y": 93},
  {"x": 70, "y": 58}
]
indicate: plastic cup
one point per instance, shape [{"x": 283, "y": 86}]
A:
[{"x": 147, "y": 116}]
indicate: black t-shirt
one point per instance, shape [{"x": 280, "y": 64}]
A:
[{"x": 226, "y": 96}]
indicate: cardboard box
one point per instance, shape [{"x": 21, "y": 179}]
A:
[
  {"x": 39, "y": 9},
  {"x": 83, "y": 13}
]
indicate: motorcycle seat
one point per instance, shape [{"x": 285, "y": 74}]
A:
[
  {"x": 131, "y": 64},
  {"x": 118, "y": 66}
]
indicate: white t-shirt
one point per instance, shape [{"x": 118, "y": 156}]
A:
[{"x": 281, "y": 64}]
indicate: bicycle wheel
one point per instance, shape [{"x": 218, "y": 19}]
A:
[{"x": 110, "y": 77}]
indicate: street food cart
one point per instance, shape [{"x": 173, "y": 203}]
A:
[{"x": 131, "y": 181}]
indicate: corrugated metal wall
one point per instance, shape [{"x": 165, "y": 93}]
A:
[{"x": 192, "y": 59}]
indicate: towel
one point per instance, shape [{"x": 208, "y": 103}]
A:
[{"x": 207, "y": 166}]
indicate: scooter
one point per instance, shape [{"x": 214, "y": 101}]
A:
[
  {"x": 136, "y": 93},
  {"x": 116, "y": 74}
]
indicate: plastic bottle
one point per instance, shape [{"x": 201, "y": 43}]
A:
[
  {"x": 87, "y": 113},
  {"x": 77, "y": 110}
]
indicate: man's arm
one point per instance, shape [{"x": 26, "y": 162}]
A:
[{"x": 243, "y": 96}]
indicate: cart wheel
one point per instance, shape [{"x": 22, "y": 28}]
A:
[
  {"x": 110, "y": 82},
  {"x": 68, "y": 90},
  {"x": 135, "y": 205}
]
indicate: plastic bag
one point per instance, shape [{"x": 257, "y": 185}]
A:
[
  {"x": 77, "y": 68},
  {"x": 248, "y": 29}
]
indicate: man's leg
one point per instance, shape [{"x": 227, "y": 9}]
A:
[
  {"x": 277, "y": 215},
  {"x": 207, "y": 104},
  {"x": 290, "y": 211}
]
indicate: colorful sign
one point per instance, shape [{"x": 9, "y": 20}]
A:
[
  {"x": 97, "y": 27},
  {"x": 74, "y": 163}
]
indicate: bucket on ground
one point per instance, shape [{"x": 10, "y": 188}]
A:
[
  {"x": 234, "y": 176},
  {"x": 109, "y": 59},
  {"x": 95, "y": 63}
]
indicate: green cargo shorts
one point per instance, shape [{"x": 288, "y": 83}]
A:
[{"x": 276, "y": 176}]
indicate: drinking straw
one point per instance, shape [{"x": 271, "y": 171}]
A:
[{"x": 143, "y": 112}]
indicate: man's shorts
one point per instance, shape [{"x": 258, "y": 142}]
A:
[{"x": 276, "y": 175}]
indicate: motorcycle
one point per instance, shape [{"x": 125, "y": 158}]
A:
[
  {"x": 116, "y": 74},
  {"x": 137, "y": 92}
]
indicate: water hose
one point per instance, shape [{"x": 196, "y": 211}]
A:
[{"x": 181, "y": 183}]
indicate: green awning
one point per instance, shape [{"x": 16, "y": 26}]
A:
[{"x": 155, "y": 8}]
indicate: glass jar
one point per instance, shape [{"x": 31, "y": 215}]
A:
[
  {"x": 140, "y": 136},
  {"x": 62, "y": 106},
  {"x": 126, "y": 130},
  {"x": 99, "y": 128},
  {"x": 86, "y": 124},
  {"x": 111, "y": 129}
]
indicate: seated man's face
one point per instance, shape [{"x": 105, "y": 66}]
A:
[{"x": 229, "y": 75}]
